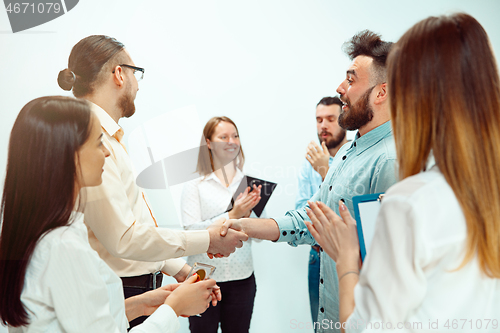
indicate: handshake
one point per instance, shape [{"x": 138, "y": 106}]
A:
[{"x": 225, "y": 237}]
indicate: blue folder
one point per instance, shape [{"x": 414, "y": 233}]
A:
[{"x": 369, "y": 212}]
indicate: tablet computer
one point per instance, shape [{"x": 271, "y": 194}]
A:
[
  {"x": 265, "y": 192},
  {"x": 366, "y": 208}
]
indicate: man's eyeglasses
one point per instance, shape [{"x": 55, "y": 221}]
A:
[{"x": 138, "y": 71}]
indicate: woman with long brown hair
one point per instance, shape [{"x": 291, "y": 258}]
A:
[
  {"x": 50, "y": 278},
  {"x": 434, "y": 262},
  {"x": 204, "y": 201}
]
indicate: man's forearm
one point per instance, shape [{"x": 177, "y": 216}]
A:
[
  {"x": 182, "y": 274},
  {"x": 261, "y": 228}
]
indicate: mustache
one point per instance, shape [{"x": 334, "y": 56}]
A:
[{"x": 345, "y": 100}]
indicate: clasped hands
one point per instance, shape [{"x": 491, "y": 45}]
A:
[
  {"x": 222, "y": 244},
  {"x": 186, "y": 299}
]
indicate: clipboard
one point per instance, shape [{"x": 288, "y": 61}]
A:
[
  {"x": 265, "y": 192},
  {"x": 366, "y": 208}
]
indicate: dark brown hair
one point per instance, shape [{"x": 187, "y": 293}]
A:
[
  {"x": 87, "y": 60},
  {"x": 370, "y": 44},
  {"x": 39, "y": 190},
  {"x": 330, "y": 101},
  {"x": 205, "y": 159},
  {"x": 445, "y": 97}
]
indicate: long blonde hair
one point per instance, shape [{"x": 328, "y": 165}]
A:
[
  {"x": 205, "y": 159},
  {"x": 445, "y": 96}
]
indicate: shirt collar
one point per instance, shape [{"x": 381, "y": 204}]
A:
[
  {"x": 237, "y": 177},
  {"x": 107, "y": 123},
  {"x": 369, "y": 139}
]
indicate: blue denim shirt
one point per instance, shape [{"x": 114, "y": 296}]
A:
[
  {"x": 309, "y": 182},
  {"x": 364, "y": 166}
]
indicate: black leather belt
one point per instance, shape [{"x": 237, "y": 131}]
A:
[{"x": 147, "y": 281}]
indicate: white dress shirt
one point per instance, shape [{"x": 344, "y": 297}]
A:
[
  {"x": 121, "y": 221},
  {"x": 204, "y": 200},
  {"x": 68, "y": 288},
  {"x": 409, "y": 278}
]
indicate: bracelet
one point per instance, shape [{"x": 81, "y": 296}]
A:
[{"x": 350, "y": 272}]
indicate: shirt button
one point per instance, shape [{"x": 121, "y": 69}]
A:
[
  {"x": 321, "y": 281},
  {"x": 284, "y": 233},
  {"x": 322, "y": 310},
  {"x": 354, "y": 144},
  {"x": 292, "y": 232},
  {"x": 330, "y": 188},
  {"x": 319, "y": 186},
  {"x": 344, "y": 157}
]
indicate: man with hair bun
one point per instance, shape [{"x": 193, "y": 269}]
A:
[
  {"x": 121, "y": 224},
  {"x": 364, "y": 166}
]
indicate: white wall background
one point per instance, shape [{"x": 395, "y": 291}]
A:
[{"x": 264, "y": 63}]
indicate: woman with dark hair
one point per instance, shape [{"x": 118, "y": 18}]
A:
[
  {"x": 50, "y": 278},
  {"x": 434, "y": 262},
  {"x": 204, "y": 201}
]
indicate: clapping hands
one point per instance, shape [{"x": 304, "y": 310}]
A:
[
  {"x": 337, "y": 235},
  {"x": 245, "y": 202}
]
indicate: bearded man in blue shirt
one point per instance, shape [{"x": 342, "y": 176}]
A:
[{"x": 364, "y": 166}]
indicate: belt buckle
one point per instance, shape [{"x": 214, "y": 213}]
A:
[{"x": 155, "y": 274}]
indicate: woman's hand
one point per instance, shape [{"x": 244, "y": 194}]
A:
[
  {"x": 339, "y": 238},
  {"x": 337, "y": 235},
  {"x": 147, "y": 303},
  {"x": 191, "y": 297},
  {"x": 154, "y": 298},
  {"x": 245, "y": 202}
]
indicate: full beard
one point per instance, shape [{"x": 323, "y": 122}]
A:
[
  {"x": 334, "y": 141},
  {"x": 358, "y": 115}
]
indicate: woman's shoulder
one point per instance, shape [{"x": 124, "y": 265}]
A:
[
  {"x": 62, "y": 245},
  {"x": 426, "y": 184},
  {"x": 72, "y": 236},
  {"x": 431, "y": 203}
]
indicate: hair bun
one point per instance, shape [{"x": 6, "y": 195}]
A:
[{"x": 66, "y": 79}]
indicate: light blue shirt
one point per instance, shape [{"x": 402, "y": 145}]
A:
[
  {"x": 309, "y": 182},
  {"x": 364, "y": 166}
]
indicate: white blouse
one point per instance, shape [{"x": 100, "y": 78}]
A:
[
  {"x": 409, "y": 280},
  {"x": 68, "y": 288},
  {"x": 205, "y": 200}
]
